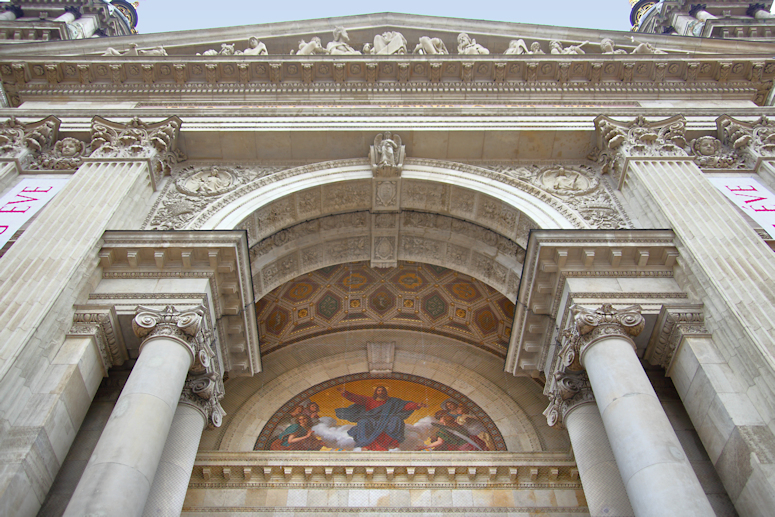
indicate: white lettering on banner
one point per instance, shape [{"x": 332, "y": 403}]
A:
[
  {"x": 749, "y": 195},
  {"x": 23, "y": 201}
]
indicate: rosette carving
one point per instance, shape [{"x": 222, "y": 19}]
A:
[{"x": 186, "y": 327}]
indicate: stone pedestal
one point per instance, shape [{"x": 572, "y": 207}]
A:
[
  {"x": 171, "y": 481},
  {"x": 603, "y": 486}
]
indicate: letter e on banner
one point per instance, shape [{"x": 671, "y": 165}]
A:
[
  {"x": 23, "y": 201},
  {"x": 751, "y": 197}
]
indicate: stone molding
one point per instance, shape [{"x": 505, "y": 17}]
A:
[
  {"x": 384, "y": 470},
  {"x": 380, "y": 355},
  {"x": 221, "y": 257},
  {"x": 552, "y": 256},
  {"x": 674, "y": 323},
  {"x": 99, "y": 74},
  {"x": 154, "y": 142},
  {"x": 20, "y": 142},
  {"x": 102, "y": 324}
]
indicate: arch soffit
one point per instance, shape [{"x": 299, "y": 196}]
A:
[
  {"x": 546, "y": 211},
  {"x": 251, "y": 412}
]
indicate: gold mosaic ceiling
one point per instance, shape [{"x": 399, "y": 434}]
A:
[{"x": 412, "y": 296}]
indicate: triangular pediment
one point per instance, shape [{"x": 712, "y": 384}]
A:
[{"x": 282, "y": 38}]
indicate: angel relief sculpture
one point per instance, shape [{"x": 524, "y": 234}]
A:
[
  {"x": 381, "y": 414},
  {"x": 387, "y": 153}
]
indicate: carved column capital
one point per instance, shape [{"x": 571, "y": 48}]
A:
[
  {"x": 589, "y": 326},
  {"x": 136, "y": 139},
  {"x": 204, "y": 392},
  {"x": 185, "y": 327},
  {"x": 754, "y": 139},
  {"x": 674, "y": 323},
  {"x": 569, "y": 390},
  {"x": 21, "y": 142},
  {"x": 618, "y": 141}
]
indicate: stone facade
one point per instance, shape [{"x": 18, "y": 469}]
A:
[{"x": 507, "y": 232}]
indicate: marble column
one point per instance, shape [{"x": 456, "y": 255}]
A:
[
  {"x": 656, "y": 473},
  {"x": 573, "y": 404},
  {"x": 124, "y": 462},
  {"x": 198, "y": 406}
]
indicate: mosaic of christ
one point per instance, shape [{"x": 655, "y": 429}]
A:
[{"x": 379, "y": 415}]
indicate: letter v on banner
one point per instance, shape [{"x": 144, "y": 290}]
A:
[
  {"x": 752, "y": 197},
  {"x": 23, "y": 201}
]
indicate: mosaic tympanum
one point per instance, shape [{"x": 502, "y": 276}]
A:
[{"x": 362, "y": 412}]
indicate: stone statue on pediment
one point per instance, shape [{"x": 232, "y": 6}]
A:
[
  {"x": 341, "y": 44},
  {"x": 468, "y": 46},
  {"x": 430, "y": 46},
  {"x": 255, "y": 48},
  {"x": 227, "y": 49},
  {"x": 646, "y": 48},
  {"x": 311, "y": 47},
  {"x": 134, "y": 51},
  {"x": 517, "y": 47},
  {"x": 387, "y": 43},
  {"x": 535, "y": 48},
  {"x": 556, "y": 48},
  {"x": 607, "y": 46}
]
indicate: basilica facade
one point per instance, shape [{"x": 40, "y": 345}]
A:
[{"x": 387, "y": 264}]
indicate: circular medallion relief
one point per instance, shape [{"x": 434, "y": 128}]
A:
[{"x": 211, "y": 181}]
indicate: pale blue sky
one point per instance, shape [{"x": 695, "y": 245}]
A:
[{"x": 176, "y": 15}]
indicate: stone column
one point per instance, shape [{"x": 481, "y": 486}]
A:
[
  {"x": 699, "y": 12},
  {"x": 573, "y": 404},
  {"x": 122, "y": 467},
  {"x": 198, "y": 406},
  {"x": 656, "y": 473}
]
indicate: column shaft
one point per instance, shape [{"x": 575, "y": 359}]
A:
[
  {"x": 171, "y": 481},
  {"x": 603, "y": 486},
  {"x": 656, "y": 473},
  {"x": 122, "y": 467}
]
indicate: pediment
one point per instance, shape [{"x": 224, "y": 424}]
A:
[{"x": 282, "y": 38}]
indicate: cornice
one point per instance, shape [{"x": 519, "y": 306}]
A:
[
  {"x": 554, "y": 255},
  {"x": 164, "y": 75}
]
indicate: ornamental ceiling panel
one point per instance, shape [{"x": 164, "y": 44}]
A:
[{"x": 412, "y": 296}]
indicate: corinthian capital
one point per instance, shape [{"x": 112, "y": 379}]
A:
[
  {"x": 617, "y": 140},
  {"x": 589, "y": 326},
  {"x": 138, "y": 139},
  {"x": 22, "y": 141},
  {"x": 185, "y": 327},
  {"x": 204, "y": 392},
  {"x": 568, "y": 390},
  {"x": 755, "y": 138}
]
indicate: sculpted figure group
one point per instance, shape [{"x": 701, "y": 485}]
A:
[{"x": 394, "y": 43}]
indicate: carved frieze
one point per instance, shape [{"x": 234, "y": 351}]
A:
[
  {"x": 754, "y": 139},
  {"x": 710, "y": 153}
]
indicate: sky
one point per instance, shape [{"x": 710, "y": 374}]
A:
[{"x": 177, "y": 15}]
